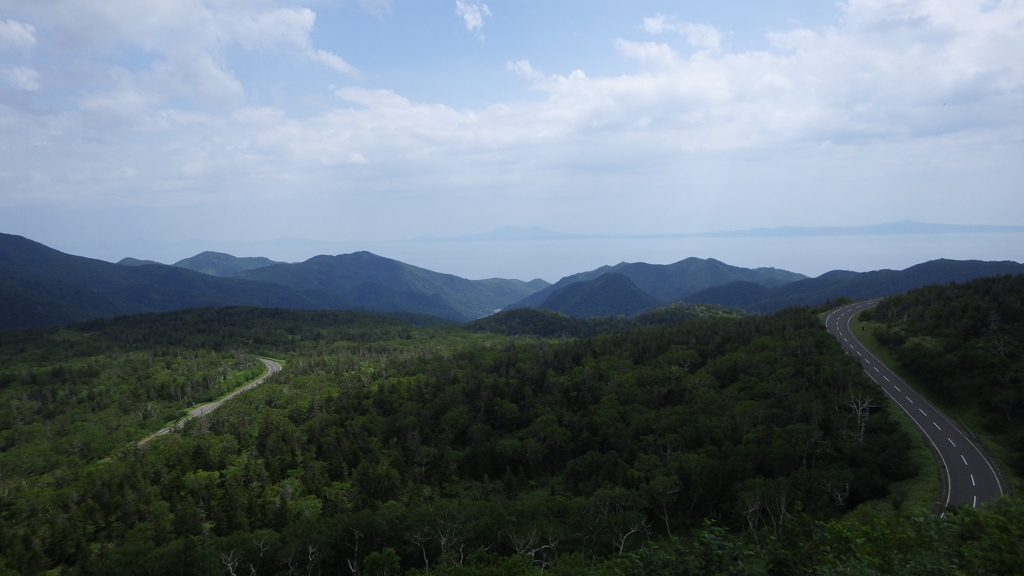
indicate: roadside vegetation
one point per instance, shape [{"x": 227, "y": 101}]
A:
[{"x": 963, "y": 346}]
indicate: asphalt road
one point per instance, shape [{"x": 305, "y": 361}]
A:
[
  {"x": 970, "y": 477},
  {"x": 273, "y": 368},
  {"x": 198, "y": 411}
]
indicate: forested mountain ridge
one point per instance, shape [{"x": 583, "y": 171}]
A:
[
  {"x": 609, "y": 294},
  {"x": 220, "y": 264},
  {"x": 384, "y": 443},
  {"x": 671, "y": 282},
  {"x": 552, "y": 324},
  {"x": 377, "y": 283},
  {"x": 856, "y": 285},
  {"x": 966, "y": 342},
  {"x": 42, "y": 286}
]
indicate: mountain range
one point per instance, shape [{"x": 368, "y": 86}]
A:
[
  {"x": 755, "y": 297},
  {"x": 664, "y": 282},
  {"x": 42, "y": 286}
]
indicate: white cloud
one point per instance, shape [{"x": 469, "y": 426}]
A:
[
  {"x": 22, "y": 78},
  {"x": 289, "y": 29},
  {"x": 919, "y": 86},
  {"x": 186, "y": 41},
  {"x": 16, "y": 35},
  {"x": 473, "y": 14},
  {"x": 524, "y": 69},
  {"x": 648, "y": 52},
  {"x": 700, "y": 36},
  {"x": 377, "y": 7},
  {"x": 332, "y": 61}
]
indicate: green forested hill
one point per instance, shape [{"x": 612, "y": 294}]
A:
[
  {"x": 671, "y": 282},
  {"x": 384, "y": 445},
  {"x": 220, "y": 264},
  {"x": 966, "y": 342},
  {"x": 40, "y": 286},
  {"x": 551, "y": 324},
  {"x": 365, "y": 280},
  {"x": 609, "y": 294},
  {"x": 855, "y": 285}
]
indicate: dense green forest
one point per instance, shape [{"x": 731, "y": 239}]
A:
[
  {"x": 551, "y": 324},
  {"x": 966, "y": 343},
  {"x": 402, "y": 445}
]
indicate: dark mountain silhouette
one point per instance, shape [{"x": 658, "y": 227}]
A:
[
  {"x": 129, "y": 261},
  {"x": 42, "y": 286},
  {"x": 220, "y": 264},
  {"x": 671, "y": 282},
  {"x": 366, "y": 279},
  {"x": 856, "y": 285},
  {"x": 607, "y": 295}
]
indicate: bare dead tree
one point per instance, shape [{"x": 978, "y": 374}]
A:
[
  {"x": 312, "y": 559},
  {"x": 230, "y": 561},
  {"x": 838, "y": 492},
  {"x": 448, "y": 523},
  {"x": 752, "y": 506},
  {"x": 263, "y": 547},
  {"x": 619, "y": 538},
  {"x": 777, "y": 504},
  {"x": 421, "y": 537},
  {"x": 531, "y": 543},
  {"x": 861, "y": 406}
]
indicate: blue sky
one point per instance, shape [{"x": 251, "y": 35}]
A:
[{"x": 142, "y": 128}]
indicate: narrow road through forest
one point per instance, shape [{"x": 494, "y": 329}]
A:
[
  {"x": 198, "y": 411},
  {"x": 970, "y": 478}
]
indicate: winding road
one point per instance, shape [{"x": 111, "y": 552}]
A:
[
  {"x": 199, "y": 411},
  {"x": 970, "y": 477}
]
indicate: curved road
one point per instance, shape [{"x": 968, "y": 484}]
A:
[
  {"x": 198, "y": 411},
  {"x": 970, "y": 477}
]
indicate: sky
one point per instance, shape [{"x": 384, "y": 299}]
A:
[{"x": 161, "y": 128}]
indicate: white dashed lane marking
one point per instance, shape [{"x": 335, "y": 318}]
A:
[
  {"x": 972, "y": 480},
  {"x": 964, "y": 459},
  {"x": 908, "y": 399},
  {"x": 936, "y": 425},
  {"x": 951, "y": 442}
]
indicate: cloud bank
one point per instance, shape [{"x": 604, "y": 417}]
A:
[
  {"x": 473, "y": 14},
  {"x": 941, "y": 81}
]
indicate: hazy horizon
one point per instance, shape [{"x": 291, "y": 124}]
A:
[
  {"x": 554, "y": 259},
  {"x": 359, "y": 124}
]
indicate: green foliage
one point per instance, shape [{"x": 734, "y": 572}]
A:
[
  {"x": 966, "y": 341},
  {"x": 458, "y": 451},
  {"x": 551, "y": 324}
]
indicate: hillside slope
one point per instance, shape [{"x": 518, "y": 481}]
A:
[
  {"x": 366, "y": 280},
  {"x": 41, "y": 286},
  {"x": 607, "y": 295},
  {"x": 220, "y": 264},
  {"x": 671, "y": 282},
  {"x": 841, "y": 283}
]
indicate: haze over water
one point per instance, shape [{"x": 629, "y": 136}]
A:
[{"x": 553, "y": 259}]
